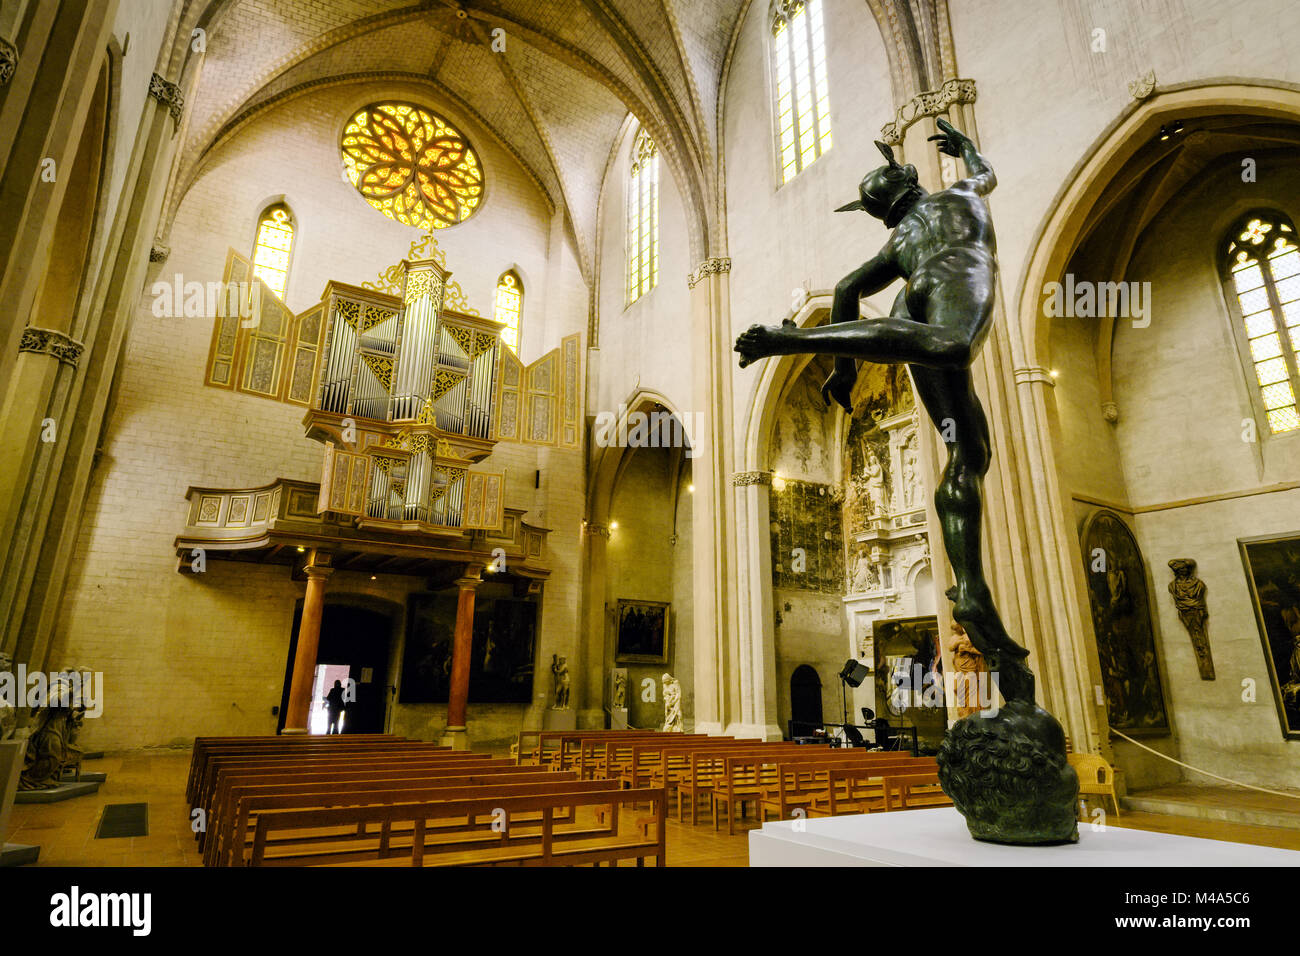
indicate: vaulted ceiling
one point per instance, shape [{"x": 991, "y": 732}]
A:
[{"x": 556, "y": 97}]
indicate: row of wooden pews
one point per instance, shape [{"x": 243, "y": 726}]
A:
[
  {"x": 728, "y": 775},
  {"x": 384, "y": 800}
]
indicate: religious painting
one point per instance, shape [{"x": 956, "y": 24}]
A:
[
  {"x": 1273, "y": 569},
  {"x": 501, "y": 651},
  {"x": 1122, "y": 621},
  {"x": 806, "y": 535},
  {"x": 909, "y": 677},
  {"x": 641, "y": 632}
]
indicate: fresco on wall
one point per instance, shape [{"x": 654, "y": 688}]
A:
[
  {"x": 803, "y": 436},
  {"x": 1122, "y": 621},
  {"x": 1273, "y": 569},
  {"x": 501, "y": 654},
  {"x": 807, "y": 550},
  {"x": 882, "y": 392}
]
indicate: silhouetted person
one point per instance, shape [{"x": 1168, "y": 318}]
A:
[{"x": 334, "y": 703}]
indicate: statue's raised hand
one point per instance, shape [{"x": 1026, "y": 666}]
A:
[{"x": 952, "y": 139}]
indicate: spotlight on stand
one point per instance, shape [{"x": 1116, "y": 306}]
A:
[{"x": 851, "y": 675}]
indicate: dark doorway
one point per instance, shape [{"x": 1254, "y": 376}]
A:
[
  {"x": 805, "y": 700},
  {"x": 357, "y": 638}
]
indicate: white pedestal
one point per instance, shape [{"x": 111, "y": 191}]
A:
[
  {"x": 618, "y": 718},
  {"x": 939, "y": 837}
]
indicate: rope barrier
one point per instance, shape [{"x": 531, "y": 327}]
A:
[{"x": 1237, "y": 783}]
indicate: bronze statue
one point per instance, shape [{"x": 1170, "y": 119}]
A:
[
  {"x": 943, "y": 245},
  {"x": 1189, "y": 599}
]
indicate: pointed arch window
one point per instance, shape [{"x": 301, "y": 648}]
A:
[
  {"x": 643, "y": 218},
  {"x": 509, "y": 308},
  {"x": 1260, "y": 263},
  {"x": 803, "y": 108},
  {"x": 272, "y": 248}
]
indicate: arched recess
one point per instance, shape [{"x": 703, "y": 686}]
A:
[
  {"x": 1106, "y": 167},
  {"x": 610, "y": 462},
  {"x": 1056, "y": 238}
]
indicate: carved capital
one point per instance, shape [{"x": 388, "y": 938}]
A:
[
  {"x": 1110, "y": 412},
  {"x": 708, "y": 267},
  {"x": 742, "y": 478},
  {"x": 929, "y": 103},
  {"x": 599, "y": 530},
  {"x": 51, "y": 342},
  {"x": 159, "y": 253},
  {"x": 169, "y": 95},
  {"x": 8, "y": 61}
]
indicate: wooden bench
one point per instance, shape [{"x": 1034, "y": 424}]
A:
[
  {"x": 204, "y": 746},
  {"x": 864, "y": 789},
  {"x": 231, "y": 786},
  {"x": 232, "y": 842},
  {"x": 613, "y": 758},
  {"x": 797, "y": 786},
  {"x": 542, "y": 845},
  {"x": 693, "y": 773}
]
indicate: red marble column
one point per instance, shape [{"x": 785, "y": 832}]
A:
[
  {"x": 304, "y": 659},
  {"x": 458, "y": 699}
]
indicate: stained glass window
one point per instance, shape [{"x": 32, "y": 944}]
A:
[
  {"x": 643, "y": 218},
  {"x": 803, "y": 106},
  {"x": 509, "y": 308},
  {"x": 1261, "y": 263},
  {"x": 412, "y": 166},
  {"x": 272, "y": 246}
]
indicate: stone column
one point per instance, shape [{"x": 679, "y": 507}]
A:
[
  {"x": 304, "y": 658},
  {"x": 718, "y": 691},
  {"x": 760, "y": 718},
  {"x": 455, "y": 735}
]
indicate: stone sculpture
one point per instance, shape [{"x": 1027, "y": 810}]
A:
[
  {"x": 1189, "y": 598},
  {"x": 560, "y": 670},
  {"x": 1007, "y": 773},
  {"x": 968, "y": 662},
  {"x": 8, "y": 713},
  {"x": 52, "y": 747},
  {"x": 620, "y": 690},
  {"x": 672, "y": 704}
]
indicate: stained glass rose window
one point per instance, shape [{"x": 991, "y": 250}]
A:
[{"x": 412, "y": 166}]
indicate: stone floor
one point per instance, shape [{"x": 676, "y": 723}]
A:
[{"x": 65, "y": 831}]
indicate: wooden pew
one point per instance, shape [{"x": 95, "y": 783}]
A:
[
  {"x": 694, "y": 774},
  {"x": 746, "y": 778},
  {"x": 860, "y": 790},
  {"x": 203, "y": 746},
  {"x": 646, "y": 760},
  {"x": 539, "y": 755},
  {"x": 543, "y": 845},
  {"x": 232, "y": 785},
  {"x": 607, "y": 758},
  {"x": 797, "y": 786},
  {"x": 232, "y": 842}
]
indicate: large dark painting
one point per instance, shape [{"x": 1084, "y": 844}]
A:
[
  {"x": 642, "y": 632},
  {"x": 1273, "y": 569},
  {"x": 1121, "y": 619},
  {"x": 501, "y": 655}
]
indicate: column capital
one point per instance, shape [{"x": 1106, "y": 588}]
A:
[
  {"x": 168, "y": 94},
  {"x": 471, "y": 578},
  {"x": 712, "y": 266},
  {"x": 927, "y": 103},
  {"x": 51, "y": 342},
  {"x": 1034, "y": 374},
  {"x": 742, "y": 478},
  {"x": 599, "y": 530}
]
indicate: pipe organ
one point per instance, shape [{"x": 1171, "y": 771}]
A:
[{"x": 405, "y": 404}]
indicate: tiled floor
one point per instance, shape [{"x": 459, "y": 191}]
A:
[{"x": 65, "y": 831}]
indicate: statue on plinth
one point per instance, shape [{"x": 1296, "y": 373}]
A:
[
  {"x": 672, "y": 704},
  {"x": 620, "y": 690},
  {"x": 52, "y": 747},
  {"x": 560, "y": 671},
  {"x": 1006, "y": 772}
]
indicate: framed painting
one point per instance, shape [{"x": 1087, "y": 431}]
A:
[
  {"x": 1120, "y": 600},
  {"x": 641, "y": 632},
  {"x": 1273, "y": 570}
]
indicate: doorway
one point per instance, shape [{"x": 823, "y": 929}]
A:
[
  {"x": 354, "y": 646},
  {"x": 805, "y": 700}
]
